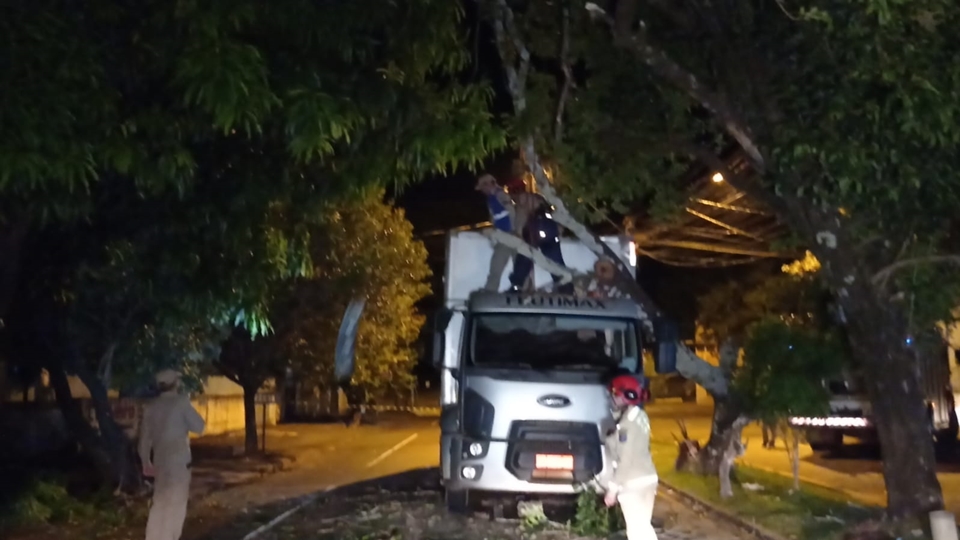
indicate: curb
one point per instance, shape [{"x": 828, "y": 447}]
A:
[{"x": 753, "y": 529}]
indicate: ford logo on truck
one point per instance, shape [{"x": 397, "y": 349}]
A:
[{"x": 553, "y": 400}]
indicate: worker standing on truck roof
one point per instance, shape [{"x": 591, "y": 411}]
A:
[
  {"x": 165, "y": 455},
  {"x": 542, "y": 233},
  {"x": 503, "y": 214},
  {"x": 634, "y": 481}
]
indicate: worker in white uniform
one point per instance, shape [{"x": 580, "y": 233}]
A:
[
  {"x": 165, "y": 455},
  {"x": 634, "y": 480}
]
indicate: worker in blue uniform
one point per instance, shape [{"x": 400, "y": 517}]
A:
[
  {"x": 503, "y": 215},
  {"x": 542, "y": 233}
]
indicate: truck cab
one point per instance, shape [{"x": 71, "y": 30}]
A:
[{"x": 523, "y": 398}]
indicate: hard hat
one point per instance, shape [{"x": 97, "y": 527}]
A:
[
  {"x": 630, "y": 389},
  {"x": 167, "y": 377}
]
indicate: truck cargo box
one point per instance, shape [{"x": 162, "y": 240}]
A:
[{"x": 468, "y": 262}]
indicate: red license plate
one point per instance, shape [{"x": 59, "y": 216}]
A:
[{"x": 554, "y": 462}]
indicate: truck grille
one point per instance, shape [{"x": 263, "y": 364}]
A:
[{"x": 531, "y": 437}]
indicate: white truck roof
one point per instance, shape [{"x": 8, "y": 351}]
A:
[{"x": 468, "y": 262}]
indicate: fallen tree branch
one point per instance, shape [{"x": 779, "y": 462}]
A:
[
  {"x": 707, "y": 375},
  {"x": 882, "y": 276},
  {"x": 688, "y": 363},
  {"x": 517, "y": 245},
  {"x": 684, "y": 80}
]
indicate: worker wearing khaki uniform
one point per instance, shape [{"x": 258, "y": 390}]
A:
[
  {"x": 165, "y": 454},
  {"x": 634, "y": 481}
]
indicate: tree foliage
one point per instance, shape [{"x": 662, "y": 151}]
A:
[
  {"x": 784, "y": 366},
  {"x": 138, "y": 90},
  {"x": 845, "y": 115},
  {"x": 365, "y": 249},
  {"x": 790, "y": 340},
  {"x": 196, "y": 140},
  {"x": 794, "y": 296},
  {"x": 166, "y": 160}
]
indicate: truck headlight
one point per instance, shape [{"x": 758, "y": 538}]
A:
[{"x": 475, "y": 449}]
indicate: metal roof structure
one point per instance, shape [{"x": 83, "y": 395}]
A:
[{"x": 720, "y": 226}]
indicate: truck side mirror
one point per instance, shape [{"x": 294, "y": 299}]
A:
[
  {"x": 344, "y": 360},
  {"x": 440, "y": 321},
  {"x": 666, "y": 333}
]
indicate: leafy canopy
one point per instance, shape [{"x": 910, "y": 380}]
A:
[
  {"x": 852, "y": 106},
  {"x": 365, "y": 249},
  {"x": 137, "y": 90},
  {"x": 783, "y": 370},
  {"x": 171, "y": 156},
  {"x": 790, "y": 343}
]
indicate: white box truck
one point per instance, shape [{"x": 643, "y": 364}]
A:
[{"x": 524, "y": 404}]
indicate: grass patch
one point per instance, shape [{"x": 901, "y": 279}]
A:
[
  {"x": 812, "y": 513},
  {"x": 46, "y": 501}
]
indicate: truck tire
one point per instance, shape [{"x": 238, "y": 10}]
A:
[
  {"x": 457, "y": 500},
  {"x": 827, "y": 444},
  {"x": 824, "y": 447}
]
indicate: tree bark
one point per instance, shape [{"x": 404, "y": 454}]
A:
[
  {"x": 125, "y": 476},
  {"x": 876, "y": 330},
  {"x": 250, "y": 417},
  {"x": 90, "y": 443},
  {"x": 723, "y": 432},
  {"x": 895, "y": 392}
]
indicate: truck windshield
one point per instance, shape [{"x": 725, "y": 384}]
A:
[{"x": 550, "y": 341}]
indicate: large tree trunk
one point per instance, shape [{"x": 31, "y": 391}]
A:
[
  {"x": 895, "y": 392},
  {"x": 723, "y": 433},
  {"x": 250, "y": 417},
  {"x": 877, "y": 329},
  {"x": 125, "y": 474},
  {"x": 91, "y": 445}
]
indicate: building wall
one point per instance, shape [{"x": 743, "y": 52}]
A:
[{"x": 40, "y": 428}]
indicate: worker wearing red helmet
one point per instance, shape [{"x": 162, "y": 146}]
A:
[{"x": 634, "y": 481}]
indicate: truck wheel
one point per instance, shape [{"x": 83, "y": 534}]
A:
[
  {"x": 457, "y": 500},
  {"x": 824, "y": 447},
  {"x": 829, "y": 443}
]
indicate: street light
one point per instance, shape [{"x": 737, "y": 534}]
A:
[{"x": 717, "y": 177}]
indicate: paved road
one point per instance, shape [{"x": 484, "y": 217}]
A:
[
  {"x": 334, "y": 455},
  {"x": 330, "y": 455}
]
